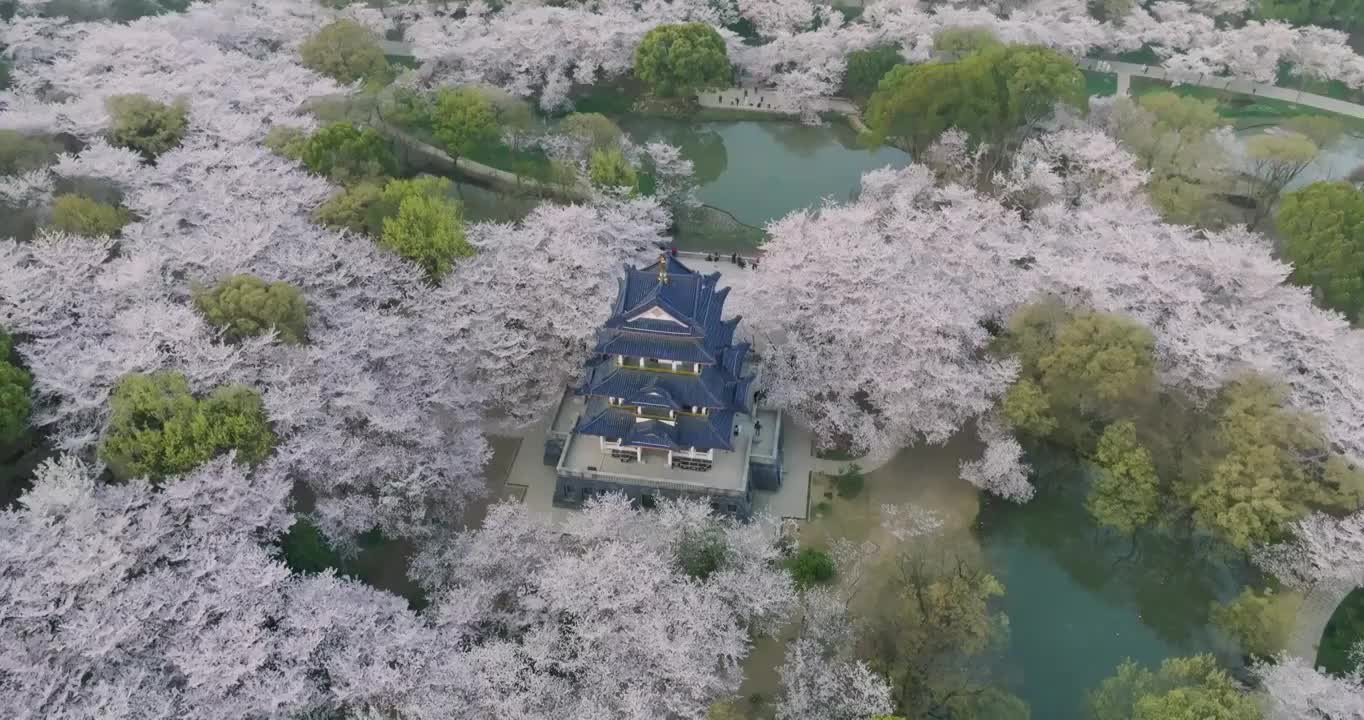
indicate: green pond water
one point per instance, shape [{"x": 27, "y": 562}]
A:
[
  {"x": 1079, "y": 599},
  {"x": 758, "y": 171},
  {"x": 1078, "y": 605}
]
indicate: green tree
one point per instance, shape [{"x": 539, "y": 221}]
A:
[
  {"x": 933, "y": 635},
  {"x": 1269, "y": 466},
  {"x": 1275, "y": 160},
  {"x": 345, "y": 51},
  {"x": 511, "y": 114},
  {"x": 426, "y": 229},
  {"x": 1192, "y": 688},
  {"x": 609, "y": 169},
  {"x": 1322, "y": 226},
  {"x": 348, "y": 154},
  {"x": 1126, "y": 493},
  {"x": 867, "y": 67},
  {"x": 1259, "y": 621},
  {"x": 463, "y": 120},
  {"x": 810, "y": 566},
  {"x": 1085, "y": 365},
  {"x": 287, "y": 141},
  {"x": 1172, "y": 137},
  {"x": 351, "y": 209},
  {"x": 1027, "y": 409},
  {"x": 158, "y": 429},
  {"x": 79, "y": 215},
  {"x": 246, "y": 306},
  {"x": 21, "y": 153},
  {"x": 993, "y": 95},
  {"x": 15, "y": 404},
  {"x": 597, "y": 129},
  {"x": 678, "y": 60},
  {"x": 139, "y": 123},
  {"x": 957, "y": 42}
]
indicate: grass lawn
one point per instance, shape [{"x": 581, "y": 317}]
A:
[{"x": 1243, "y": 110}]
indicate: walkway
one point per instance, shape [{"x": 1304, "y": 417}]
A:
[
  {"x": 494, "y": 177},
  {"x": 772, "y": 101},
  {"x": 1125, "y": 71},
  {"x": 1318, "y": 605}
]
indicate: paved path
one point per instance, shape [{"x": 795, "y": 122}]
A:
[
  {"x": 771, "y": 101},
  {"x": 500, "y": 179},
  {"x": 1125, "y": 71},
  {"x": 1318, "y": 605}
]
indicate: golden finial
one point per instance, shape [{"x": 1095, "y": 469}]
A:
[{"x": 662, "y": 268}]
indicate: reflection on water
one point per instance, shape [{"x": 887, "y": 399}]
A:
[
  {"x": 1078, "y": 605},
  {"x": 761, "y": 170}
]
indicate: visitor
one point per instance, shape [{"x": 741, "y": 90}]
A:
[
  {"x": 757, "y": 426},
  {"x": 741, "y": 262},
  {"x": 674, "y": 250}
]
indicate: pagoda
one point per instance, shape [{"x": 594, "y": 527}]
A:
[{"x": 666, "y": 404}]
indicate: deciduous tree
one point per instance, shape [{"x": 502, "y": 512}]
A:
[
  {"x": 345, "y": 51},
  {"x": 1260, "y": 621},
  {"x": 1271, "y": 466},
  {"x": 677, "y": 60},
  {"x": 245, "y": 306},
  {"x": 1323, "y": 235},
  {"x": 992, "y": 95},
  {"x": 1185, "y": 688},
  {"x": 1126, "y": 493},
  {"x": 139, "y": 123},
  {"x": 15, "y": 385},
  {"x": 429, "y": 231},
  {"x": 609, "y": 170},
  {"x": 79, "y": 215},
  {"x": 463, "y": 120},
  {"x": 1275, "y": 159},
  {"x": 157, "y": 428},
  {"x": 866, "y": 68},
  {"x": 347, "y": 154}
]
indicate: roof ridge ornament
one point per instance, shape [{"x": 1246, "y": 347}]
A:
[{"x": 662, "y": 268}]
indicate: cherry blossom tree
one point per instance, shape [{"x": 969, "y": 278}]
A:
[
  {"x": 1001, "y": 469},
  {"x": 1297, "y": 690},
  {"x": 122, "y": 601},
  {"x": 878, "y": 339},
  {"x": 819, "y": 679},
  {"x": 527, "y": 307},
  {"x": 884, "y": 301},
  {"x": 1324, "y": 549},
  {"x": 599, "y": 619}
]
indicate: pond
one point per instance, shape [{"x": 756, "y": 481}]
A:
[
  {"x": 759, "y": 170},
  {"x": 1078, "y": 605}
]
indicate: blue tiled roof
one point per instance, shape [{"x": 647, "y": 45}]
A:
[
  {"x": 711, "y": 432},
  {"x": 647, "y": 345},
  {"x": 658, "y": 389},
  {"x": 687, "y": 296}
]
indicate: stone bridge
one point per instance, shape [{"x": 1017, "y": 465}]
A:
[{"x": 1318, "y": 605}]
